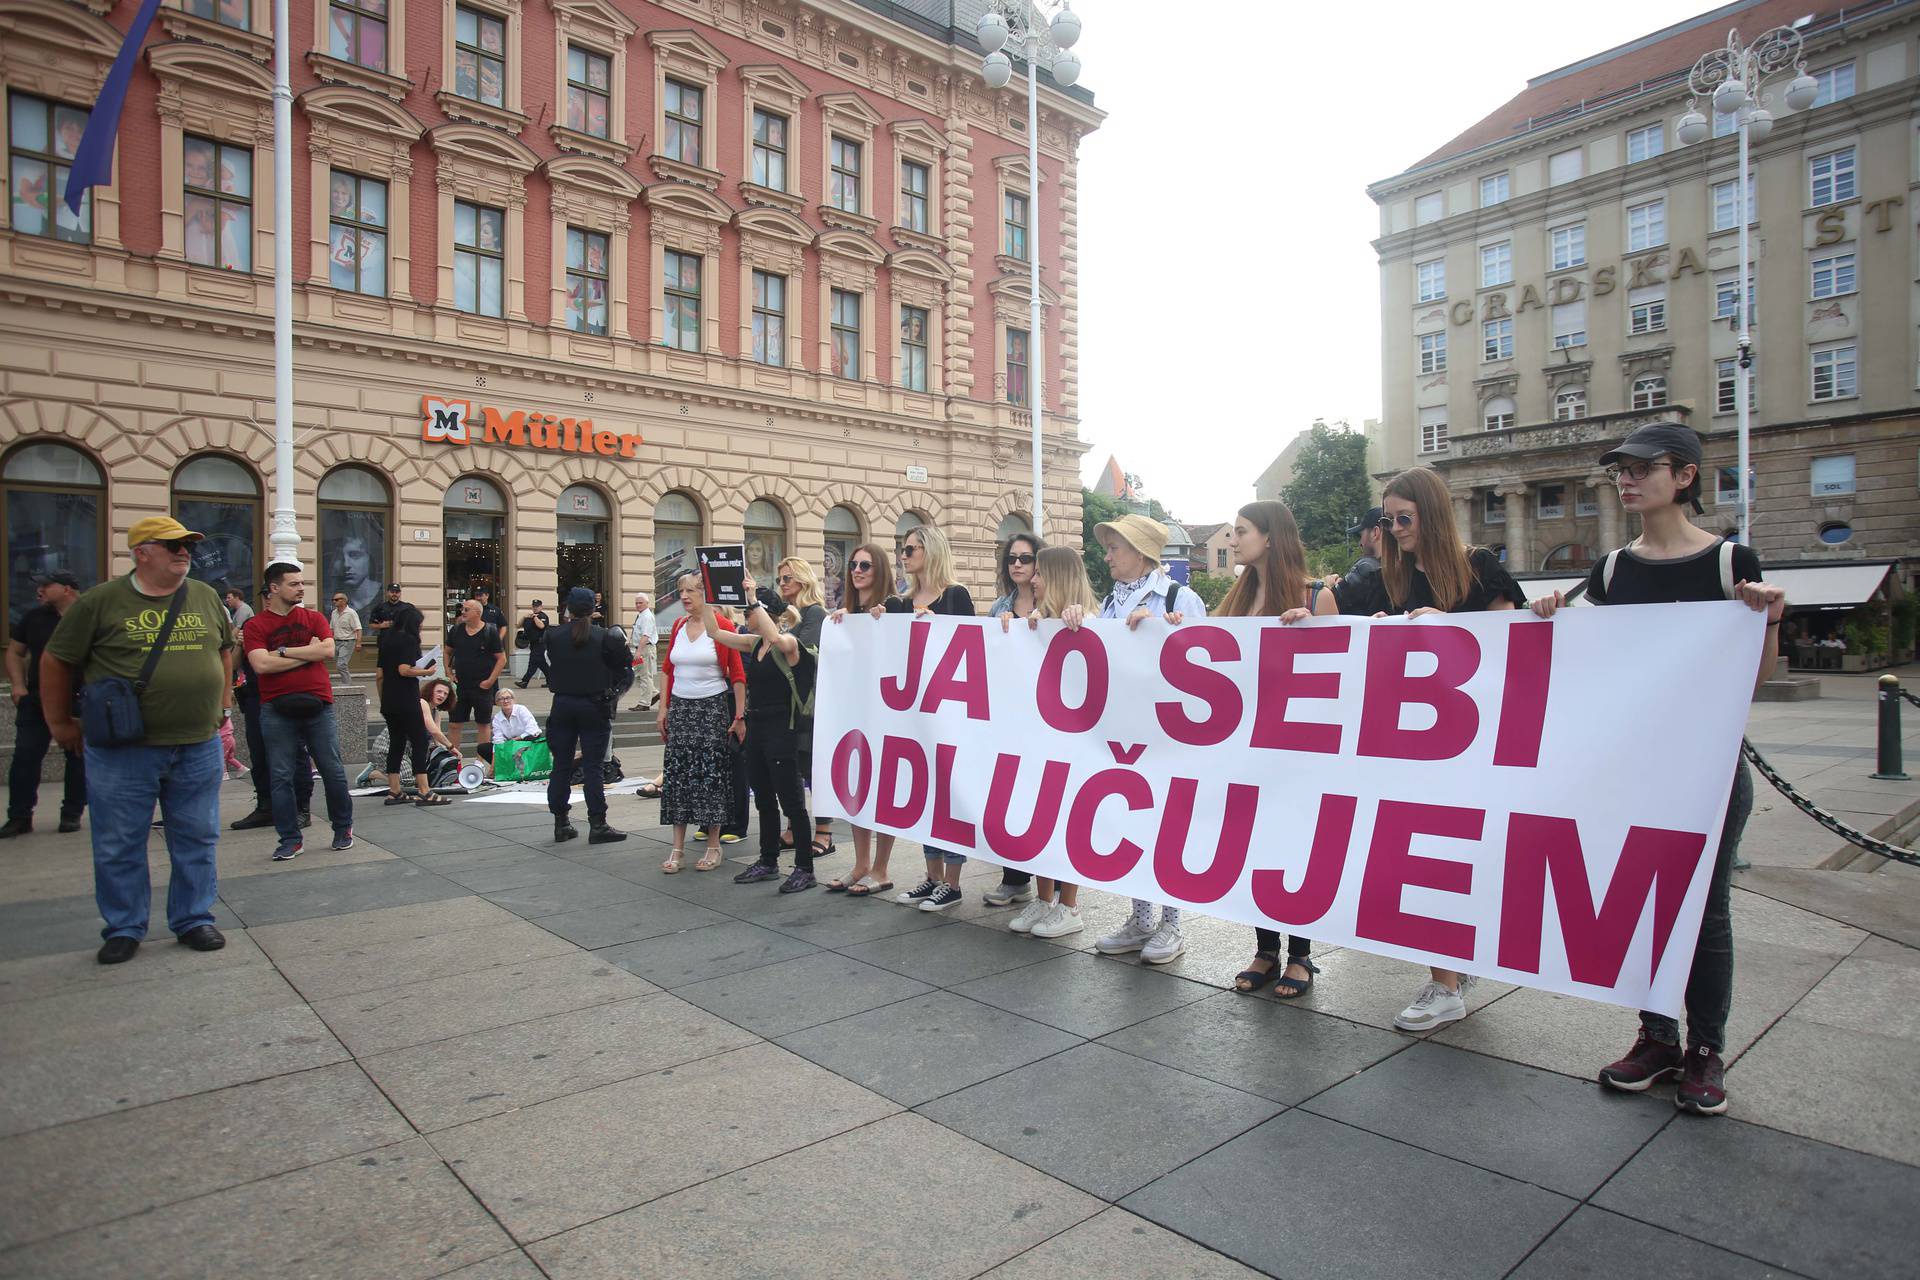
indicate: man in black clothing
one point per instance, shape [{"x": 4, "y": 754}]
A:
[
  {"x": 476, "y": 657},
  {"x": 1357, "y": 587},
  {"x": 533, "y": 636},
  {"x": 586, "y": 661},
  {"x": 55, "y": 591},
  {"x": 489, "y": 611},
  {"x": 381, "y": 616}
]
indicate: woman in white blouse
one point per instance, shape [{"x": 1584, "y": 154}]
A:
[{"x": 511, "y": 719}]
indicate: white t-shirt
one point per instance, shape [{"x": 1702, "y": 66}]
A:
[
  {"x": 345, "y": 624},
  {"x": 696, "y": 667}
]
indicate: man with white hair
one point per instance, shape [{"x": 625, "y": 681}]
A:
[{"x": 644, "y": 636}]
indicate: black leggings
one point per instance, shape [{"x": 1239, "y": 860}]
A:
[
  {"x": 406, "y": 731},
  {"x": 1268, "y": 944},
  {"x": 773, "y": 766}
]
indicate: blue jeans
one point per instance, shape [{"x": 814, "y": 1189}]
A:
[
  {"x": 285, "y": 736},
  {"x": 123, "y": 785}
]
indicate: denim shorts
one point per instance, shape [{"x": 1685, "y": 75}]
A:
[{"x": 948, "y": 855}]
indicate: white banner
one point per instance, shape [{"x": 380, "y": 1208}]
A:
[{"x": 1538, "y": 802}]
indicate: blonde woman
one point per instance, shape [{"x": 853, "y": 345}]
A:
[
  {"x": 866, "y": 589},
  {"x": 1059, "y": 583}
]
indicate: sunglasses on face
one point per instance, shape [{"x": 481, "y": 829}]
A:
[
  {"x": 1021, "y": 557},
  {"x": 1634, "y": 471},
  {"x": 860, "y": 566},
  {"x": 1404, "y": 520},
  {"x": 784, "y": 579},
  {"x": 909, "y": 550},
  {"x": 175, "y": 545}
]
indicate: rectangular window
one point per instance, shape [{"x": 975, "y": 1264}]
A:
[
  {"x": 769, "y": 319},
  {"x": 479, "y": 258},
  {"x": 1830, "y": 178},
  {"x": 1495, "y": 188},
  {"x": 218, "y": 204},
  {"x": 1832, "y": 476},
  {"x": 685, "y": 109},
  {"x": 1726, "y": 296},
  {"x": 479, "y": 56},
  {"x": 1725, "y": 392},
  {"x": 1429, "y": 208},
  {"x": 586, "y": 281},
  {"x": 1552, "y": 501},
  {"x": 1835, "y": 373},
  {"x": 1018, "y": 392},
  {"x": 1496, "y": 508},
  {"x": 1500, "y": 419},
  {"x": 357, "y": 234},
  {"x": 1833, "y": 276},
  {"x": 1565, "y": 166},
  {"x": 589, "y": 91},
  {"x": 1645, "y": 144},
  {"x": 228, "y": 13},
  {"x": 357, "y": 32},
  {"x": 1496, "y": 264},
  {"x": 1726, "y": 214},
  {"x": 1646, "y": 225},
  {"x": 914, "y": 181},
  {"x": 681, "y": 300},
  {"x": 769, "y": 149},
  {"x": 1570, "y": 324},
  {"x": 1220, "y": 558},
  {"x": 42, "y": 137},
  {"x": 1569, "y": 246},
  {"x": 1431, "y": 280},
  {"x": 1014, "y": 220},
  {"x": 1724, "y": 125},
  {"x": 844, "y": 161},
  {"x": 1433, "y": 353},
  {"x": 1586, "y": 502},
  {"x": 1835, "y": 83},
  {"x": 1647, "y": 309},
  {"x": 915, "y": 325},
  {"x": 845, "y": 318},
  {"x": 1499, "y": 340},
  {"x": 1433, "y": 429}
]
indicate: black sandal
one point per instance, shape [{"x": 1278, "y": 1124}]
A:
[
  {"x": 433, "y": 801},
  {"x": 403, "y": 799},
  {"x": 819, "y": 851},
  {"x": 1286, "y": 988},
  {"x": 1254, "y": 981}
]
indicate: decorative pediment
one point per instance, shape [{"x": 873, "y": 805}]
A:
[
  {"x": 907, "y": 238},
  {"x": 775, "y": 82},
  {"x": 847, "y": 220},
  {"x": 918, "y": 134},
  {"x": 919, "y": 262},
  {"x": 695, "y": 202},
  {"x": 484, "y": 146},
  {"x": 851, "y": 244},
  {"x": 691, "y": 175},
  {"x": 62, "y": 26},
  {"x": 334, "y": 70},
  {"x": 767, "y": 197},
  {"x": 688, "y": 51},
  {"x": 775, "y": 223},
  {"x": 1018, "y": 287},
  {"x": 847, "y": 109},
  {"x": 212, "y": 67},
  {"x": 1638, "y": 364},
  {"x": 181, "y": 25},
  {"x": 594, "y": 15},
  {"x": 1014, "y": 171},
  {"x": 589, "y": 174},
  {"x": 360, "y": 109}
]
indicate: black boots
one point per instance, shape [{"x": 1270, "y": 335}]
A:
[
  {"x": 563, "y": 830},
  {"x": 19, "y": 826},
  {"x": 601, "y": 833}
]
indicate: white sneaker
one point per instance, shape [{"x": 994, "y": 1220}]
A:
[
  {"x": 1060, "y": 921},
  {"x": 1130, "y": 936},
  {"x": 1165, "y": 944},
  {"x": 1030, "y": 915},
  {"x": 1433, "y": 1007},
  {"x": 1005, "y": 895}
]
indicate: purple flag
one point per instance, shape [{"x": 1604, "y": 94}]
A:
[{"x": 93, "y": 162}]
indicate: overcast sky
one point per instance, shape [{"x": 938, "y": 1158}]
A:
[{"x": 1229, "y": 292}]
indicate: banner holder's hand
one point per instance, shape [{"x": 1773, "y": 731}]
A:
[
  {"x": 1073, "y": 615},
  {"x": 1547, "y": 606},
  {"x": 1292, "y": 616},
  {"x": 1765, "y": 596}
]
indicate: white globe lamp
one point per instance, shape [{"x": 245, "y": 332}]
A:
[
  {"x": 1066, "y": 28},
  {"x": 991, "y": 32},
  {"x": 1759, "y": 124},
  {"x": 1730, "y": 97},
  {"x": 1066, "y": 69},
  {"x": 1690, "y": 128},
  {"x": 1802, "y": 92},
  {"x": 998, "y": 69}
]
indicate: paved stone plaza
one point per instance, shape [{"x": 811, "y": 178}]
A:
[{"x": 460, "y": 1050}]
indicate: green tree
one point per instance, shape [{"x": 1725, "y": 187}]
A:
[
  {"x": 1329, "y": 488},
  {"x": 1097, "y": 509},
  {"x": 1211, "y": 589}
]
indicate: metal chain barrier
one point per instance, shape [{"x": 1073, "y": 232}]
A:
[
  {"x": 1910, "y": 696},
  {"x": 1872, "y": 844}
]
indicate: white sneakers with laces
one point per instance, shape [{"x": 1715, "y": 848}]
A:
[
  {"x": 1433, "y": 1007},
  {"x": 1030, "y": 915},
  {"x": 1130, "y": 936},
  {"x": 1165, "y": 945},
  {"x": 1059, "y": 921}
]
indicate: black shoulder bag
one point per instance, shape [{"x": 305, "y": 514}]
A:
[{"x": 110, "y": 706}]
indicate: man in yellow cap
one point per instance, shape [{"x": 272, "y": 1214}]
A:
[{"x": 108, "y": 640}]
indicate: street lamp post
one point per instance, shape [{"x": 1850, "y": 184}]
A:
[
  {"x": 1732, "y": 78},
  {"x": 1020, "y": 23}
]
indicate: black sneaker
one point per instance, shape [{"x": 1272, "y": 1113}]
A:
[
  {"x": 941, "y": 898},
  {"x": 288, "y": 850},
  {"x": 306, "y": 819},
  {"x": 258, "y": 818},
  {"x": 756, "y": 873},
  {"x": 601, "y": 833},
  {"x": 919, "y": 893},
  {"x": 117, "y": 950},
  {"x": 17, "y": 827},
  {"x": 798, "y": 881},
  {"x": 343, "y": 839},
  {"x": 69, "y": 825}
]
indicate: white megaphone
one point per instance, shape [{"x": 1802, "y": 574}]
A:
[{"x": 473, "y": 775}]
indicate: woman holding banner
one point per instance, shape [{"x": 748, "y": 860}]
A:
[
  {"x": 1141, "y": 590},
  {"x": 1273, "y": 583},
  {"x": 866, "y": 591},
  {"x": 1657, "y": 469},
  {"x": 702, "y": 705},
  {"x": 1426, "y": 568},
  {"x": 1018, "y": 598}
]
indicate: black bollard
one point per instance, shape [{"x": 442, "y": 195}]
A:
[{"x": 1889, "y": 755}]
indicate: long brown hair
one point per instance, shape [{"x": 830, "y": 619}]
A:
[
  {"x": 1282, "y": 571},
  {"x": 1440, "y": 553},
  {"x": 851, "y": 600},
  {"x": 1063, "y": 581}
]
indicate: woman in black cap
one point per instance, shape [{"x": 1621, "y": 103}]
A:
[
  {"x": 583, "y": 660},
  {"x": 1657, "y": 469}
]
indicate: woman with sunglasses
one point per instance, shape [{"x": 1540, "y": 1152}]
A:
[
  {"x": 702, "y": 706},
  {"x": 1657, "y": 469},
  {"x": 1273, "y": 583},
  {"x": 1425, "y": 568},
  {"x": 866, "y": 591},
  {"x": 1018, "y": 598}
]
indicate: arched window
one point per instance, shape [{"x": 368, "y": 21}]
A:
[
  {"x": 1568, "y": 555},
  {"x": 53, "y": 507},
  {"x": 584, "y": 530},
  {"x": 1649, "y": 392},
  {"x": 843, "y": 535},
  {"x": 1499, "y": 414},
  {"x": 476, "y": 523},
  {"x": 909, "y": 521},
  {"x": 356, "y": 537},
  {"x": 677, "y": 530},
  {"x": 219, "y": 496},
  {"x": 1569, "y": 403},
  {"x": 766, "y": 528}
]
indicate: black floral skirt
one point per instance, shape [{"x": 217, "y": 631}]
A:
[{"x": 697, "y": 787}]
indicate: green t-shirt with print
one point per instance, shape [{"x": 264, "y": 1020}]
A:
[{"x": 109, "y": 631}]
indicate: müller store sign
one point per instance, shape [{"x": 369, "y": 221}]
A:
[{"x": 444, "y": 420}]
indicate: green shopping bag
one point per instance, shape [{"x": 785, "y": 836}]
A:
[{"x": 522, "y": 760}]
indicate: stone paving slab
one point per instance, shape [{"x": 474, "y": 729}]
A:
[
  {"x": 1087, "y": 995},
  {"x": 372, "y": 966},
  {"x": 1117, "y": 1245},
  {"x": 553, "y": 894},
  {"x": 950, "y": 956},
  {"x": 507, "y": 1266},
  {"x": 107, "y": 1013},
  {"x": 74, "y": 972},
  {"x": 50, "y": 926},
  {"x": 277, "y": 897},
  {"x": 1856, "y": 1102},
  {"x": 675, "y": 960},
  {"x": 799, "y": 993},
  {"x": 631, "y": 915},
  {"x": 1598, "y": 1244}
]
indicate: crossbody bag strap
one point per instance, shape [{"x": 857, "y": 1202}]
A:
[
  {"x": 152, "y": 663},
  {"x": 1726, "y": 568}
]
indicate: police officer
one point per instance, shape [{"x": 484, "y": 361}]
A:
[{"x": 586, "y": 665}]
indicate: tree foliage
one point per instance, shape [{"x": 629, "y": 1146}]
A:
[
  {"x": 1330, "y": 488},
  {"x": 1211, "y": 588},
  {"x": 1097, "y": 509}
]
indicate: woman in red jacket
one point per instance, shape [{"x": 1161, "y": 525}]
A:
[{"x": 701, "y": 706}]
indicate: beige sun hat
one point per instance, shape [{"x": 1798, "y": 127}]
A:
[{"x": 1148, "y": 537}]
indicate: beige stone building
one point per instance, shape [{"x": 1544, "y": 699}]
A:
[
  {"x": 1565, "y": 269},
  {"x": 578, "y": 285}
]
